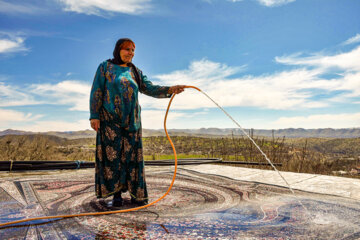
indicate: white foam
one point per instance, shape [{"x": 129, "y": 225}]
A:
[{"x": 325, "y": 219}]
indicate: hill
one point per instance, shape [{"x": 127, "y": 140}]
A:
[
  {"x": 45, "y": 147},
  {"x": 215, "y": 132},
  {"x": 288, "y": 132}
]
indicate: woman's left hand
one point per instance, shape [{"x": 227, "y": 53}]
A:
[{"x": 176, "y": 89}]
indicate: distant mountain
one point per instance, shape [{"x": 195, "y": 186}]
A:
[
  {"x": 14, "y": 132},
  {"x": 288, "y": 132},
  {"x": 69, "y": 135},
  {"x": 216, "y": 132},
  {"x": 314, "y": 133},
  {"x": 73, "y": 134}
]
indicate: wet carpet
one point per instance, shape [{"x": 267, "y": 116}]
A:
[{"x": 200, "y": 206}]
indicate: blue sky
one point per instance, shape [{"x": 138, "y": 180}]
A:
[{"x": 271, "y": 64}]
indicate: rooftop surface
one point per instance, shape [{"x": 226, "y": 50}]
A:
[{"x": 207, "y": 202}]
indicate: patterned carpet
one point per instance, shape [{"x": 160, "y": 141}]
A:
[{"x": 199, "y": 207}]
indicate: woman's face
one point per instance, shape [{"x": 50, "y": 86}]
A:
[{"x": 127, "y": 53}]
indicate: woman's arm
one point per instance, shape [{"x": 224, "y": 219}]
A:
[
  {"x": 96, "y": 96},
  {"x": 152, "y": 90}
]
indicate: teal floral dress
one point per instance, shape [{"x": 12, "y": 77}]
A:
[{"x": 119, "y": 154}]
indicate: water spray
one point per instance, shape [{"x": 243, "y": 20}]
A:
[{"x": 256, "y": 145}]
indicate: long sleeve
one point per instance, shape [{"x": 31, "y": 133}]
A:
[
  {"x": 152, "y": 90},
  {"x": 97, "y": 92}
]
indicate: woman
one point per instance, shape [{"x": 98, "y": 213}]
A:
[{"x": 115, "y": 116}]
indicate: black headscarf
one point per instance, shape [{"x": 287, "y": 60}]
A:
[{"x": 117, "y": 59}]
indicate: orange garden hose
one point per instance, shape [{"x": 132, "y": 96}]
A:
[{"x": 117, "y": 211}]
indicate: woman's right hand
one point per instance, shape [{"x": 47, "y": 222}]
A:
[
  {"x": 176, "y": 89},
  {"x": 95, "y": 124}
]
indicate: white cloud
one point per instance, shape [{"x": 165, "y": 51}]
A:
[
  {"x": 202, "y": 72},
  {"x": 12, "y": 8},
  {"x": 61, "y": 126},
  {"x": 154, "y": 119},
  {"x": 286, "y": 90},
  {"x": 273, "y": 3},
  {"x": 69, "y": 92},
  {"x": 151, "y": 119},
  {"x": 96, "y": 7},
  {"x": 344, "y": 120},
  {"x": 11, "y": 42},
  {"x": 346, "y": 65},
  {"x": 348, "y": 61},
  {"x": 11, "y": 116},
  {"x": 12, "y": 96},
  {"x": 282, "y": 90},
  {"x": 351, "y": 83},
  {"x": 352, "y": 40}
]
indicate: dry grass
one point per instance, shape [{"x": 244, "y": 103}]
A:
[{"x": 320, "y": 156}]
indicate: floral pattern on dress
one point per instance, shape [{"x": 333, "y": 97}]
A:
[
  {"x": 117, "y": 103},
  {"x": 140, "y": 155},
  {"x": 133, "y": 156},
  {"x": 127, "y": 146},
  {"x": 137, "y": 112},
  {"x": 102, "y": 71},
  {"x": 140, "y": 193},
  {"x": 107, "y": 96},
  {"x": 108, "y": 173},
  {"x": 99, "y": 152},
  {"x": 104, "y": 189},
  {"x": 130, "y": 187},
  {"x": 132, "y": 75},
  {"x": 110, "y": 153},
  {"x": 128, "y": 90},
  {"x": 133, "y": 175},
  {"x": 109, "y": 74},
  {"x": 110, "y": 134},
  {"x": 123, "y": 156},
  {"x": 97, "y": 103}
]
